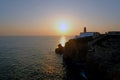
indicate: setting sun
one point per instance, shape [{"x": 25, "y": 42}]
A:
[{"x": 63, "y": 27}]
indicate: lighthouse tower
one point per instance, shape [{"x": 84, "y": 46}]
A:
[{"x": 85, "y": 30}]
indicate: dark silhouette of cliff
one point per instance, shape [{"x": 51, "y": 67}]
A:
[{"x": 101, "y": 56}]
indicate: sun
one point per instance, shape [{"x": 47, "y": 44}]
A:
[{"x": 63, "y": 27}]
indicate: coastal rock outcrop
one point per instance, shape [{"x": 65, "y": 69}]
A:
[
  {"x": 102, "y": 56},
  {"x": 60, "y": 49},
  {"x": 76, "y": 49}
]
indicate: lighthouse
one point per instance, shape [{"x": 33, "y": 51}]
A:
[{"x": 85, "y": 30}]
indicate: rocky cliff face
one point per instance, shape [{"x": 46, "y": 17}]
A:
[
  {"x": 103, "y": 55},
  {"x": 106, "y": 56},
  {"x": 75, "y": 50}
]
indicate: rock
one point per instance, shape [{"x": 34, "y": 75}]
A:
[
  {"x": 102, "y": 58},
  {"x": 75, "y": 50},
  {"x": 60, "y": 49},
  {"x": 106, "y": 57}
]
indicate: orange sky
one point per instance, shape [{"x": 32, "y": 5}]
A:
[{"x": 43, "y": 17}]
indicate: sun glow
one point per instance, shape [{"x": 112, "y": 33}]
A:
[{"x": 63, "y": 27}]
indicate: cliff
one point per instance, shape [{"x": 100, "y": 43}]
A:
[{"x": 101, "y": 55}]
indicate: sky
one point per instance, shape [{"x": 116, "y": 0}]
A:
[{"x": 43, "y": 17}]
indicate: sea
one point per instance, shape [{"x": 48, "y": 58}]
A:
[{"x": 31, "y": 58}]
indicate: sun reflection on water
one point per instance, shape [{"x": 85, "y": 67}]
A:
[{"x": 63, "y": 40}]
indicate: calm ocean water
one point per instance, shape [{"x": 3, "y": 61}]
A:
[{"x": 30, "y": 58}]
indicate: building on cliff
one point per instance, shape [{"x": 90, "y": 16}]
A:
[
  {"x": 113, "y": 33},
  {"x": 85, "y": 34}
]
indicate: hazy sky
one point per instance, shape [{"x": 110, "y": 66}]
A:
[{"x": 42, "y": 17}]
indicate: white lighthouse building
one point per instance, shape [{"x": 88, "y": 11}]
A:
[{"x": 87, "y": 34}]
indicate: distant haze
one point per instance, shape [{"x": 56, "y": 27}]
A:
[{"x": 41, "y": 17}]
